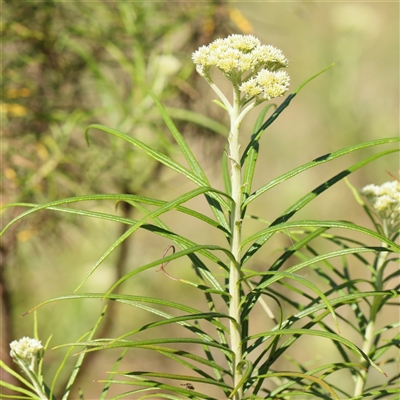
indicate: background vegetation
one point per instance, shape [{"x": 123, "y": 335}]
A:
[{"x": 70, "y": 64}]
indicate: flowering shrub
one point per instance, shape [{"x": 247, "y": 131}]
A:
[{"x": 221, "y": 353}]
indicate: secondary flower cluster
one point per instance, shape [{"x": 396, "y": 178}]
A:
[
  {"x": 25, "y": 347},
  {"x": 385, "y": 199},
  {"x": 250, "y": 65}
]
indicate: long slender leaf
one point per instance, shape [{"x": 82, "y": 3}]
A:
[
  {"x": 285, "y": 274},
  {"x": 262, "y": 236},
  {"x": 79, "y": 361},
  {"x": 160, "y": 261},
  {"x": 323, "y": 159},
  {"x": 278, "y": 111},
  {"x": 161, "y": 210},
  {"x": 252, "y": 156},
  {"x": 195, "y": 177},
  {"x": 116, "y": 197},
  {"x": 178, "y": 377},
  {"x": 304, "y": 376},
  {"x": 191, "y": 160},
  {"x": 322, "y": 334}
]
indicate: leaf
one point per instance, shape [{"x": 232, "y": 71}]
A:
[
  {"x": 322, "y": 334},
  {"x": 78, "y": 363},
  {"x": 262, "y": 236},
  {"x": 185, "y": 252},
  {"x": 304, "y": 376},
  {"x": 162, "y": 158},
  {"x": 161, "y": 210},
  {"x": 252, "y": 156},
  {"x": 322, "y": 160},
  {"x": 201, "y": 120},
  {"x": 194, "y": 165},
  {"x": 275, "y": 115},
  {"x": 280, "y": 274}
]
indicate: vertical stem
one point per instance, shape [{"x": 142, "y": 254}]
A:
[
  {"x": 236, "y": 228},
  {"x": 370, "y": 329}
]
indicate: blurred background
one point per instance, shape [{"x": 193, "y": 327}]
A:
[{"x": 68, "y": 64}]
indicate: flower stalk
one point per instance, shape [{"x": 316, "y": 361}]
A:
[
  {"x": 24, "y": 352},
  {"x": 253, "y": 70},
  {"x": 236, "y": 231},
  {"x": 385, "y": 201}
]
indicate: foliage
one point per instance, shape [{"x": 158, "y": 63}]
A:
[{"x": 327, "y": 297}]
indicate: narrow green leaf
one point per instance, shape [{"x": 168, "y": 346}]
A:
[
  {"x": 201, "y": 120},
  {"x": 262, "y": 236},
  {"x": 248, "y": 369},
  {"x": 252, "y": 155},
  {"x": 278, "y": 111},
  {"x": 178, "y": 377},
  {"x": 304, "y": 376},
  {"x": 17, "y": 389},
  {"x": 161, "y": 210},
  {"x": 322, "y": 160},
  {"x": 322, "y": 334},
  {"x": 154, "y": 385},
  {"x": 285, "y": 274},
  {"x": 226, "y": 174},
  {"x": 79, "y": 361},
  {"x": 179, "y": 254},
  {"x": 111, "y": 375},
  {"x": 16, "y": 375},
  {"x": 162, "y": 158}
]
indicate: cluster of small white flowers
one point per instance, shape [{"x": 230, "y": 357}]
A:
[
  {"x": 385, "y": 197},
  {"x": 240, "y": 54},
  {"x": 266, "y": 85},
  {"x": 25, "y": 347}
]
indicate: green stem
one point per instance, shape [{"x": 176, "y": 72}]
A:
[
  {"x": 32, "y": 376},
  {"x": 370, "y": 329},
  {"x": 236, "y": 229}
]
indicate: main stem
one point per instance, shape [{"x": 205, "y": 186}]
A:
[
  {"x": 236, "y": 229},
  {"x": 370, "y": 329}
]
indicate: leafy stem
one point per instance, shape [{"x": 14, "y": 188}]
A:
[{"x": 236, "y": 231}]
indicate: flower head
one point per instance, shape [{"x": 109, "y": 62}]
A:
[
  {"x": 266, "y": 85},
  {"x": 25, "y": 347},
  {"x": 385, "y": 197},
  {"x": 250, "y": 65}
]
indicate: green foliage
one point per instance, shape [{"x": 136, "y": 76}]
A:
[
  {"x": 310, "y": 293},
  {"x": 208, "y": 330}
]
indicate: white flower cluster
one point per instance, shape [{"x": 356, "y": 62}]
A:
[
  {"x": 240, "y": 54},
  {"x": 25, "y": 347},
  {"x": 385, "y": 197}
]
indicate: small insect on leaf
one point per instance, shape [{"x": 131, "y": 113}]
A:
[{"x": 188, "y": 386}]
